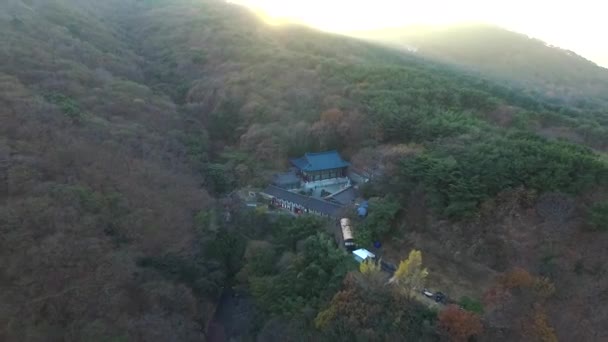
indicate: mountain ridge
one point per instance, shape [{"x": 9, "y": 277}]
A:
[
  {"x": 508, "y": 55},
  {"x": 128, "y": 129}
]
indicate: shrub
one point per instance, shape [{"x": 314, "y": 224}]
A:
[
  {"x": 68, "y": 106},
  {"x": 471, "y": 304},
  {"x": 598, "y": 216}
]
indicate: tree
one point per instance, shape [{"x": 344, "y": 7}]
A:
[
  {"x": 516, "y": 301},
  {"x": 263, "y": 141},
  {"x": 324, "y": 317},
  {"x": 544, "y": 287},
  {"x": 367, "y": 161},
  {"x": 410, "y": 274},
  {"x": 471, "y": 304},
  {"x": 289, "y": 232},
  {"x": 369, "y": 267},
  {"x": 541, "y": 328},
  {"x": 311, "y": 277},
  {"x": 459, "y": 324},
  {"x": 457, "y": 178},
  {"x": 496, "y": 296},
  {"x": 516, "y": 278},
  {"x": 379, "y": 221},
  {"x": 598, "y": 216},
  {"x": 374, "y": 312},
  {"x": 326, "y": 129},
  {"x": 519, "y": 278}
]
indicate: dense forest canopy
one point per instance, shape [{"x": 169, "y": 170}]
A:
[
  {"x": 559, "y": 74},
  {"x": 126, "y": 127}
]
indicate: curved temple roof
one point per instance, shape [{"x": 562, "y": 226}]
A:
[{"x": 319, "y": 161}]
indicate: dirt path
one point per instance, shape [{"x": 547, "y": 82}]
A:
[{"x": 233, "y": 319}]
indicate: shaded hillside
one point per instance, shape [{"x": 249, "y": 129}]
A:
[
  {"x": 556, "y": 73},
  {"x": 95, "y": 177},
  {"x": 125, "y": 125}
]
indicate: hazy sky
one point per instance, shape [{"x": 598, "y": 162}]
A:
[{"x": 581, "y": 25}]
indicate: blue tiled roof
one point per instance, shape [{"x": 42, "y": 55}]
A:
[
  {"x": 319, "y": 161},
  {"x": 309, "y": 203}
]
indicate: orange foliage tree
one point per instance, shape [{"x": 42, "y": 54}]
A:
[
  {"x": 517, "y": 278},
  {"x": 459, "y": 324}
]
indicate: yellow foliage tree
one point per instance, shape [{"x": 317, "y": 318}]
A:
[
  {"x": 369, "y": 267},
  {"x": 544, "y": 287},
  {"x": 541, "y": 328},
  {"x": 325, "y": 317},
  {"x": 410, "y": 275}
]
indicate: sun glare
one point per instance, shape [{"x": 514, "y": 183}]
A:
[
  {"x": 573, "y": 25},
  {"x": 352, "y": 15}
]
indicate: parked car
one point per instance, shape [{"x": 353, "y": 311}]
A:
[{"x": 440, "y": 298}]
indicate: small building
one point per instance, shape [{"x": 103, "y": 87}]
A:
[
  {"x": 363, "y": 254},
  {"x": 320, "y": 166},
  {"x": 300, "y": 204}
]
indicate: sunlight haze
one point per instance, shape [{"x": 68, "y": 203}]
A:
[{"x": 577, "y": 26}]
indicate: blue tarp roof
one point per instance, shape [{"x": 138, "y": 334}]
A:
[{"x": 319, "y": 161}]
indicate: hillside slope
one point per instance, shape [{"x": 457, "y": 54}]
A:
[
  {"x": 94, "y": 179},
  {"x": 554, "y": 72},
  {"x": 125, "y": 125}
]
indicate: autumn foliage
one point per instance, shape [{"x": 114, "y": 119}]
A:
[
  {"x": 541, "y": 328},
  {"x": 519, "y": 296},
  {"x": 369, "y": 267},
  {"x": 347, "y": 303},
  {"x": 516, "y": 278},
  {"x": 495, "y": 295},
  {"x": 459, "y": 324},
  {"x": 410, "y": 274}
]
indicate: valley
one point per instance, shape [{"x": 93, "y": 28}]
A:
[{"x": 132, "y": 132}]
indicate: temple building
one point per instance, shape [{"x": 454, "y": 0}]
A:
[
  {"x": 317, "y": 183},
  {"x": 313, "y": 167}
]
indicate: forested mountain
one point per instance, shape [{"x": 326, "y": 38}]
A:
[
  {"x": 126, "y": 125},
  {"x": 556, "y": 73}
]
